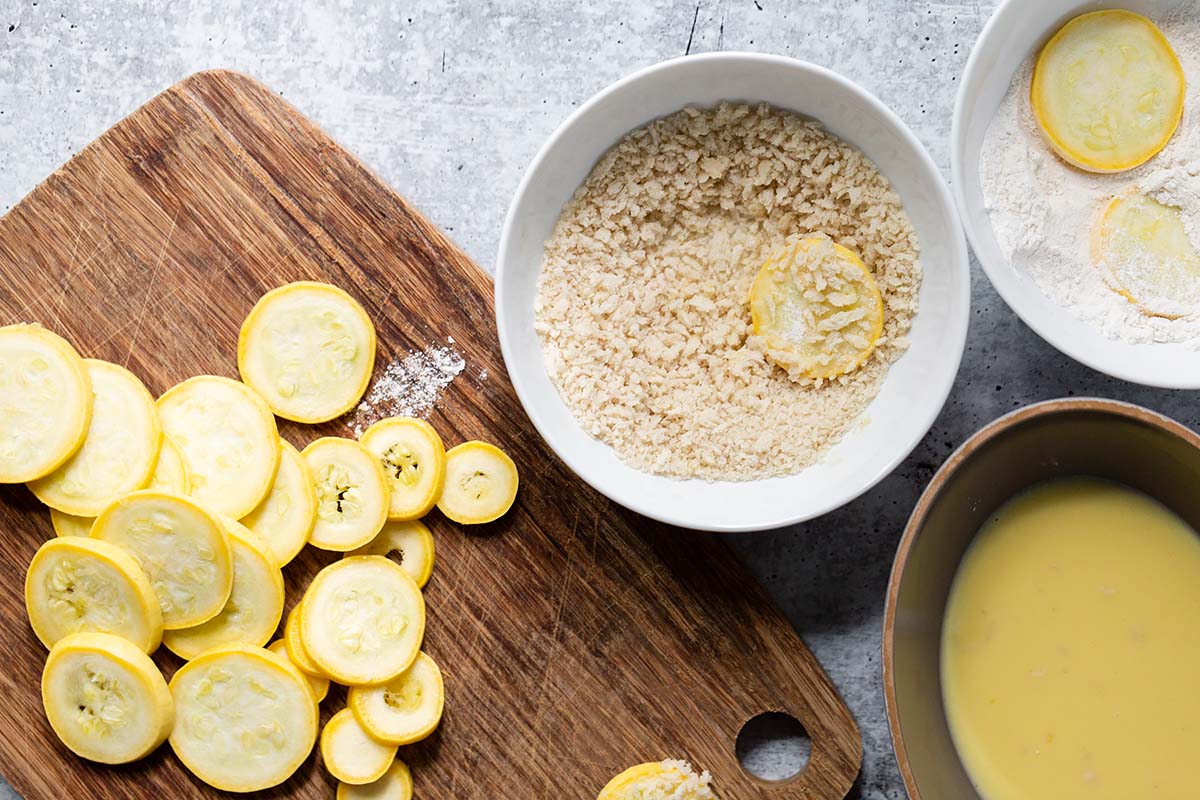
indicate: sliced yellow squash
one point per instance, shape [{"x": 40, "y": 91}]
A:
[
  {"x": 414, "y": 461},
  {"x": 481, "y": 483},
  {"x": 294, "y": 643},
  {"x": 817, "y": 309},
  {"x": 1143, "y": 251},
  {"x": 350, "y": 755},
  {"x": 285, "y": 517},
  {"x": 255, "y": 605},
  {"x": 412, "y": 544},
  {"x": 351, "y": 490},
  {"x": 396, "y": 784},
  {"x": 105, "y": 699},
  {"x": 318, "y": 684},
  {"x": 182, "y": 548},
  {"x": 404, "y": 710},
  {"x": 228, "y": 441},
  {"x": 68, "y": 525},
  {"x": 46, "y": 398},
  {"x": 77, "y": 585},
  {"x": 309, "y": 349},
  {"x": 245, "y": 718},
  {"x": 362, "y": 620},
  {"x": 170, "y": 473},
  {"x": 659, "y": 780},
  {"x": 1108, "y": 90},
  {"x": 119, "y": 451}
]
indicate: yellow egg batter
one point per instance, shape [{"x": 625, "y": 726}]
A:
[{"x": 1071, "y": 648}]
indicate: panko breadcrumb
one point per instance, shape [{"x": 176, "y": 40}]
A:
[{"x": 641, "y": 305}]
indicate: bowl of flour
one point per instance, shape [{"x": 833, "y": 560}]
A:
[
  {"x": 623, "y": 275},
  {"x": 1030, "y": 215}
]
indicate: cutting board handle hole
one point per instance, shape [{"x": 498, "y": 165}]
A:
[{"x": 773, "y": 747}]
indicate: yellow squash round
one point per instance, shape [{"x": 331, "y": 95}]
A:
[
  {"x": 1108, "y": 91},
  {"x": 410, "y": 542},
  {"x": 363, "y": 619},
  {"x": 414, "y": 460},
  {"x": 118, "y": 453},
  {"x": 47, "y": 400},
  {"x": 105, "y": 699},
  {"x": 350, "y": 755},
  {"x": 183, "y": 549},
  {"x": 76, "y": 585},
  {"x": 309, "y": 349},
  {"x": 228, "y": 440},
  {"x": 245, "y": 718}
]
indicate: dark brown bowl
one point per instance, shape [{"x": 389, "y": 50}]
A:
[{"x": 1058, "y": 438}]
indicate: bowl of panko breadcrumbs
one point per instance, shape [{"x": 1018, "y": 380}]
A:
[{"x": 732, "y": 291}]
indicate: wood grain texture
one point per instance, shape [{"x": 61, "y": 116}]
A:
[{"x": 576, "y": 638}]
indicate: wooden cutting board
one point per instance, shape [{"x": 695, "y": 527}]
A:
[{"x": 577, "y": 638}]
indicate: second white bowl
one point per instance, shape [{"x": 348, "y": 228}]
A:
[
  {"x": 916, "y": 386},
  {"x": 1018, "y": 29}
]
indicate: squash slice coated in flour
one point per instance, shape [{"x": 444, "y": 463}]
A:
[
  {"x": 481, "y": 483},
  {"x": 414, "y": 460},
  {"x": 362, "y": 620},
  {"x": 412, "y": 543},
  {"x": 285, "y": 517},
  {"x": 245, "y": 719},
  {"x": 309, "y": 349},
  {"x": 318, "y": 684},
  {"x": 255, "y": 605},
  {"x": 79, "y": 585},
  {"x": 404, "y": 710},
  {"x": 396, "y": 784},
  {"x": 69, "y": 524},
  {"x": 120, "y": 450},
  {"x": 45, "y": 402},
  {"x": 170, "y": 473},
  {"x": 228, "y": 440},
  {"x": 105, "y": 698},
  {"x": 350, "y": 754},
  {"x": 352, "y": 493},
  {"x": 1143, "y": 251},
  {"x": 1108, "y": 91},
  {"x": 182, "y": 548}
]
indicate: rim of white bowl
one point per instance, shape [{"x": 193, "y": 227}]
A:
[
  {"x": 998, "y": 273},
  {"x": 957, "y": 243}
]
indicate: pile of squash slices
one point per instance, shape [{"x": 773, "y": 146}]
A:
[{"x": 175, "y": 518}]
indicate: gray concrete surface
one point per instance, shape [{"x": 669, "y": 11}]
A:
[{"x": 450, "y": 101}]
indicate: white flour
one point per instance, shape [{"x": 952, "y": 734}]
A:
[
  {"x": 1043, "y": 210},
  {"x": 409, "y": 386}
]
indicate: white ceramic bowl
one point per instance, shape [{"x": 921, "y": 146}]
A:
[
  {"x": 916, "y": 386},
  {"x": 1017, "y": 30}
]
